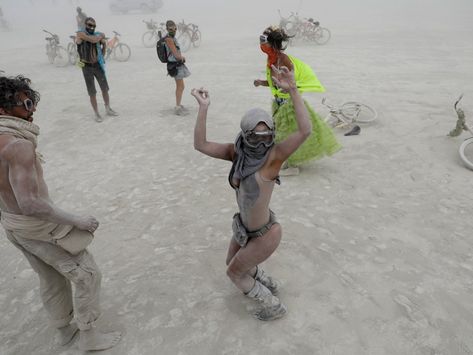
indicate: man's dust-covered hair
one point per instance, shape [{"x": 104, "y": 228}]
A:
[
  {"x": 170, "y": 23},
  {"x": 11, "y": 87},
  {"x": 276, "y": 37}
]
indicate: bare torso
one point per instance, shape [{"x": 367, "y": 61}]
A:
[
  {"x": 253, "y": 197},
  {"x": 254, "y": 193},
  {"x": 8, "y": 202}
]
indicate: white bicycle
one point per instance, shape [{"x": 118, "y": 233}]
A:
[
  {"x": 349, "y": 114},
  {"x": 466, "y": 148}
]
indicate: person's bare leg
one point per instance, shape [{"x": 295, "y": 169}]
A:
[
  {"x": 245, "y": 260},
  {"x": 67, "y": 333},
  {"x": 93, "y": 340},
  {"x": 106, "y": 100},
  {"x": 93, "y": 102},
  {"x": 256, "y": 272},
  {"x": 179, "y": 91},
  {"x": 232, "y": 250}
]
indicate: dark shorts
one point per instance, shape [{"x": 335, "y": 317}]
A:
[{"x": 90, "y": 72}]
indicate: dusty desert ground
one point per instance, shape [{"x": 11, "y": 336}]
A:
[{"x": 377, "y": 255}]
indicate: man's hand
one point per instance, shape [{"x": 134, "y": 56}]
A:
[
  {"x": 202, "y": 96},
  {"x": 87, "y": 223},
  {"x": 258, "y": 82},
  {"x": 284, "y": 78}
]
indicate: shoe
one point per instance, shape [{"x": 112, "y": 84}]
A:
[
  {"x": 98, "y": 118},
  {"x": 271, "y": 307},
  {"x": 110, "y": 112},
  {"x": 269, "y": 313},
  {"x": 183, "y": 108},
  {"x": 289, "y": 172},
  {"x": 354, "y": 131},
  {"x": 179, "y": 111},
  {"x": 271, "y": 283}
]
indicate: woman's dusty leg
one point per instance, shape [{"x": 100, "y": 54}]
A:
[
  {"x": 256, "y": 272},
  {"x": 246, "y": 259}
]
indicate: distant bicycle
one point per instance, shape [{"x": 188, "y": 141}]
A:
[
  {"x": 348, "y": 114},
  {"x": 466, "y": 148},
  {"x": 151, "y": 37},
  {"x": 56, "y": 53},
  {"x": 290, "y": 24},
  {"x": 120, "y": 51},
  {"x": 306, "y": 29},
  {"x": 311, "y": 31},
  {"x": 72, "y": 51},
  {"x": 189, "y": 34}
]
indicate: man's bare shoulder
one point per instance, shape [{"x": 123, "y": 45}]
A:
[{"x": 13, "y": 149}]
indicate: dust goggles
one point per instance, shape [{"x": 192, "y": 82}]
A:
[
  {"x": 28, "y": 104},
  {"x": 255, "y": 139}
]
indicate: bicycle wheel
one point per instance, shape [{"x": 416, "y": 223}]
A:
[
  {"x": 50, "y": 54},
  {"x": 72, "y": 52},
  {"x": 149, "y": 39},
  {"x": 466, "y": 153},
  {"x": 322, "y": 36},
  {"x": 62, "y": 57},
  {"x": 197, "y": 39},
  {"x": 122, "y": 52},
  {"x": 290, "y": 28},
  {"x": 357, "y": 112},
  {"x": 184, "y": 41}
]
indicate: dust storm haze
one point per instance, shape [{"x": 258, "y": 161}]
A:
[
  {"x": 231, "y": 19},
  {"x": 376, "y": 255}
]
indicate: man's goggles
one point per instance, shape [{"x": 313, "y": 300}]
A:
[{"x": 28, "y": 104}]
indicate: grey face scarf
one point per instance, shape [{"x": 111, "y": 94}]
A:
[{"x": 249, "y": 160}]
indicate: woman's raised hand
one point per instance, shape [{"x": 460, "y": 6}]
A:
[{"x": 284, "y": 78}]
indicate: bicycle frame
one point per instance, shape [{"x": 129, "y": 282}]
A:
[
  {"x": 337, "y": 114},
  {"x": 113, "y": 42}
]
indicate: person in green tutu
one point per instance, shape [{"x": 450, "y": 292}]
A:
[{"x": 322, "y": 141}]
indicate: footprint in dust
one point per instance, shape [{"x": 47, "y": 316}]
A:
[
  {"x": 69, "y": 109},
  {"x": 410, "y": 308}
]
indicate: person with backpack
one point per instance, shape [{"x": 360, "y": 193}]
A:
[
  {"x": 91, "y": 46},
  {"x": 175, "y": 64}
]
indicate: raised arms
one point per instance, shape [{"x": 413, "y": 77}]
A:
[
  {"x": 284, "y": 79},
  {"x": 212, "y": 149}
]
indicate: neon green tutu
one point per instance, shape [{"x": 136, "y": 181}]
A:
[{"x": 320, "y": 143}]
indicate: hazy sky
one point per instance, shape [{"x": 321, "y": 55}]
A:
[{"x": 245, "y": 17}]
